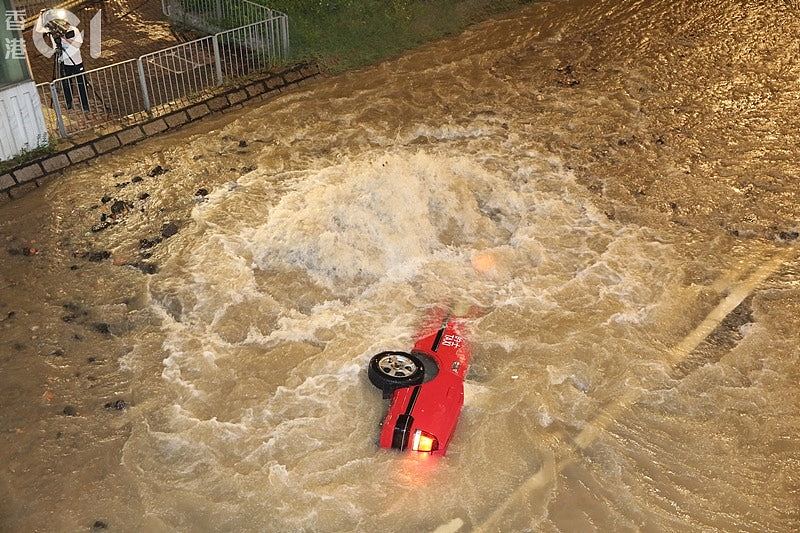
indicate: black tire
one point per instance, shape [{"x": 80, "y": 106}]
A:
[{"x": 394, "y": 370}]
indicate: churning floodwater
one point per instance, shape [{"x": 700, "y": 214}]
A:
[{"x": 594, "y": 179}]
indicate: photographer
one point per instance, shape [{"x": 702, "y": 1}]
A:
[{"x": 66, "y": 40}]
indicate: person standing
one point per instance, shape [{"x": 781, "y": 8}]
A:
[{"x": 70, "y": 63}]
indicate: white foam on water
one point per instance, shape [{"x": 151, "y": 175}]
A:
[{"x": 277, "y": 314}]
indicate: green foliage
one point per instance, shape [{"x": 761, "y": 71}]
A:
[
  {"x": 342, "y": 34},
  {"x": 25, "y": 156}
]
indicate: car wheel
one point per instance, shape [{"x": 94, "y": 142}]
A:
[{"x": 392, "y": 370}]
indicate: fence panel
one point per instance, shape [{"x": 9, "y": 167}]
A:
[
  {"x": 94, "y": 98},
  {"x": 174, "y": 75},
  {"x": 252, "y": 48}
]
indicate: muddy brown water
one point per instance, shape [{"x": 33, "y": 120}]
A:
[{"x": 615, "y": 169}]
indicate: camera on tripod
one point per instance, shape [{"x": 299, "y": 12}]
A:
[{"x": 59, "y": 29}]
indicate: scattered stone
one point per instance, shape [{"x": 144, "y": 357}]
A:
[
  {"x": 100, "y": 226},
  {"x": 673, "y": 206},
  {"x": 118, "y": 173},
  {"x": 118, "y": 405},
  {"x": 18, "y": 346},
  {"x": 102, "y": 327},
  {"x": 136, "y": 179},
  {"x": 148, "y": 243},
  {"x": 147, "y": 255},
  {"x": 156, "y": 171},
  {"x": 99, "y": 524},
  {"x": 143, "y": 196},
  {"x": 147, "y": 268},
  {"x": 77, "y": 337},
  {"x": 58, "y": 352},
  {"x": 91, "y": 359},
  {"x": 660, "y": 141},
  {"x": 118, "y": 207},
  {"x": 122, "y": 185},
  {"x": 96, "y": 257},
  {"x": 247, "y": 168},
  {"x": 622, "y": 142},
  {"x": 103, "y": 217},
  {"x": 788, "y": 235},
  {"x": 202, "y": 191},
  {"x": 105, "y": 199},
  {"x": 69, "y": 318},
  {"x": 69, "y": 410},
  {"x": 10, "y": 315},
  {"x": 73, "y": 267},
  {"x": 242, "y": 143},
  {"x": 169, "y": 229}
]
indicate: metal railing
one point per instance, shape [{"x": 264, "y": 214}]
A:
[{"x": 133, "y": 90}]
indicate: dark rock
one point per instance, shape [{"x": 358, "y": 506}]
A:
[
  {"x": 18, "y": 346},
  {"x": 122, "y": 185},
  {"x": 69, "y": 410},
  {"x": 673, "y": 206},
  {"x": 622, "y": 142},
  {"x": 143, "y": 196},
  {"x": 73, "y": 267},
  {"x": 71, "y": 307},
  {"x": 156, "y": 171},
  {"x": 147, "y": 255},
  {"x": 58, "y": 352},
  {"x": 10, "y": 315},
  {"x": 91, "y": 359},
  {"x": 118, "y": 405},
  {"x": 660, "y": 141},
  {"x": 169, "y": 229},
  {"x": 147, "y": 268},
  {"x": 148, "y": 243},
  {"x": 105, "y": 199},
  {"x": 242, "y": 143},
  {"x": 102, "y": 327},
  {"x": 202, "y": 191},
  {"x": 96, "y": 257},
  {"x": 788, "y": 235},
  {"x": 69, "y": 318},
  {"x": 136, "y": 179},
  {"x": 99, "y": 524},
  {"x": 103, "y": 217},
  {"x": 118, "y": 207},
  {"x": 247, "y": 168},
  {"x": 77, "y": 337},
  {"x": 118, "y": 173},
  {"x": 100, "y": 226}
]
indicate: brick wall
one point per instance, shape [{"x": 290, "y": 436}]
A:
[{"x": 27, "y": 176}]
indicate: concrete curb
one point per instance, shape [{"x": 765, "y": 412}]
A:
[{"x": 20, "y": 180}]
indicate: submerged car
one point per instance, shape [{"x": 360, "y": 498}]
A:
[{"x": 425, "y": 388}]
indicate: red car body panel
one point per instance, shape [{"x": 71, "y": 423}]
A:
[{"x": 435, "y": 405}]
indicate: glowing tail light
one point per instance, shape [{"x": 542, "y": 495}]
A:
[{"x": 424, "y": 442}]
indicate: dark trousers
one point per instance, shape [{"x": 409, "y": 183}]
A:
[{"x": 69, "y": 70}]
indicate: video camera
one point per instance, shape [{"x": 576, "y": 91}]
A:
[{"x": 58, "y": 29}]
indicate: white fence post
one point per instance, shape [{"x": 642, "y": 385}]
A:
[
  {"x": 217, "y": 59},
  {"x": 143, "y": 83},
  {"x": 62, "y": 131}
]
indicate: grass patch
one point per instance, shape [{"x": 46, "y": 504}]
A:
[
  {"x": 344, "y": 34},
  {"x": 28, "y": 155}
]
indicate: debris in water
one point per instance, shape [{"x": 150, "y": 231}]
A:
[
  {"x": 118, "y": 207},
  {"x": 143, "y": 196},
  {"x": 105, "y": 199},
  {"x": 169, "y": 229},
  {"x": 99, "y": 524},
  {"x": 69, "y": 410},
  {"x": 97, "y": 256},
  {"x": 102, "y": 327},
  {"x": 201, "y": 192},
  {"x": 136, "y": 179},
  {"x": 117, "y": 405},
  {"x": 156, "y": 171},
  {"x": 147, "y": 268}
]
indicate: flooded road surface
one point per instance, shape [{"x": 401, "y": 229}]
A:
[{"x": 614, "y": 184}]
